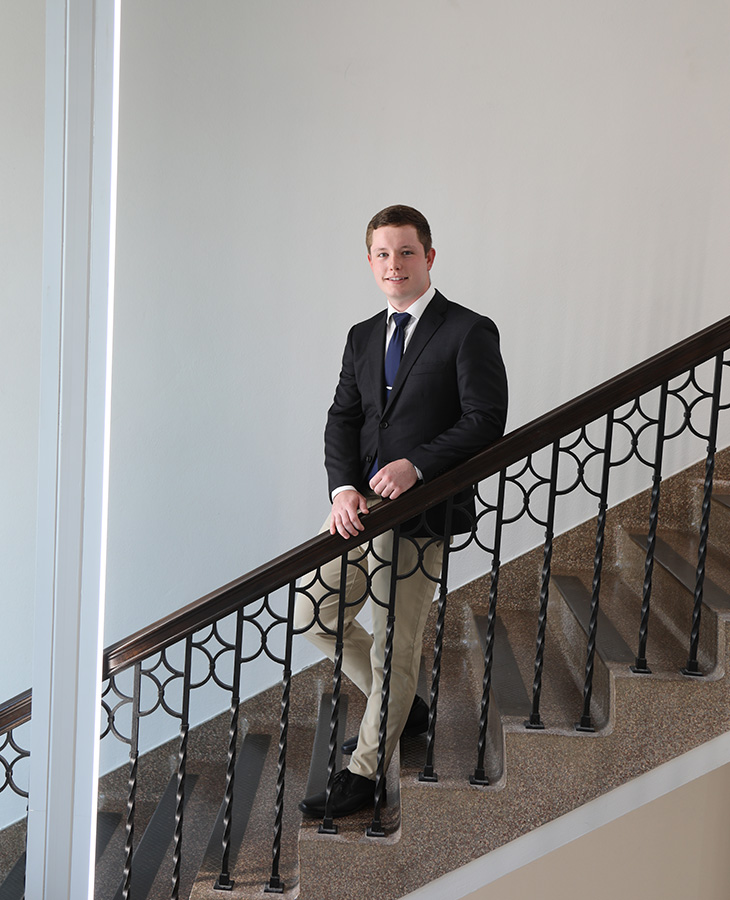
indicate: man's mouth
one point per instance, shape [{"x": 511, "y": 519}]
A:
[{"x": 397, "y": 278}]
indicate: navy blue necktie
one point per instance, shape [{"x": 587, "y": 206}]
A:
[
  {"x": 393, "y": 356},
  {"x": 394, "y": 353}
]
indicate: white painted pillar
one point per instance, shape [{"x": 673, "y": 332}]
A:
[{"x": 78, "y": 269}]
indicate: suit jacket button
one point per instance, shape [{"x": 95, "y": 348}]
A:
[
  {"x": 383, "y": 424},
  {"x": 368, "y": 459}
]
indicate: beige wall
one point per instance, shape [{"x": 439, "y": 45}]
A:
[{"x": 674, "y": 847}]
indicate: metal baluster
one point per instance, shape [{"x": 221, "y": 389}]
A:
[
  {"x": 182, "y": 758},
  {"x": 224, "y": 881},
  {"x": 132, "y": 785},
  {"x": 534, "y": 721},
  {"x": 585, "y": 723},
  {"x": 641, "y": 666},
  {"x": 480, "y": 776},
  {"x": 328, "y": 826},
  {"x": 376, "y": 828},
  {"x": 428, "y": 773},
  {"x": 692, "y": 666},
  {"x": 276, "y": 883}
]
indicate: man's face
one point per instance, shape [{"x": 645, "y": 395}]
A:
[{"x": 400, "y": 264}]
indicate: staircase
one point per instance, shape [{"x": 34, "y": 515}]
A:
[
  {"x": 535, "y": 775},
  {"x": 507, "y": 756}
]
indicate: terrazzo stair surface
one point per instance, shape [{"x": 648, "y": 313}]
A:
[{"x": 534, "y": 775}]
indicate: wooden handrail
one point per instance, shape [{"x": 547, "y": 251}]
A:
[
  {"x": 15, "y": 712},
  {"x": 515, "y": 446}
]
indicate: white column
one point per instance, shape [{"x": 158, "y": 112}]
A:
[{"x": 78, "y": 269}]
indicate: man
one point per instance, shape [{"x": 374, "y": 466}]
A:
[{"x": 418, "y": 393}]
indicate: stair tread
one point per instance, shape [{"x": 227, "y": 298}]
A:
[
  {"x": 560, "y": 697},
  {"x": 351, "y": 827},
  {"x": 156, "y": 841},
  {"x": 317, "y": 780},
  {"x": 677, "y": 552},
  {"x": 13, "y": 887},
  {"x": 507, "y": 683},
  {"x": 609, "y": 642},
  {"x": 249, "y": 766},
  {"x": 618, "y": 624}
]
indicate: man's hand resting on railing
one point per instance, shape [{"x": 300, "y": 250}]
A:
[
  {"x": 391, "y": 481},
  {"x": 394, "y": 479},
  {"x": 347, "y": 507}
]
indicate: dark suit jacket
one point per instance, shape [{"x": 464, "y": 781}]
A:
[{"x": 448, "y": 402}]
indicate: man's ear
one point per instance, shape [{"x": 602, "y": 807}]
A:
[{"x": 430, "y": 257}]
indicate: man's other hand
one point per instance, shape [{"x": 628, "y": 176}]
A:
[
  {"x": 394, "y": 479},
  {"x": 347, "y": 507}
]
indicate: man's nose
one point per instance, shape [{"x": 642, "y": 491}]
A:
[{"x": 394, "y": 263}]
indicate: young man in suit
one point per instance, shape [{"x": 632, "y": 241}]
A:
[{"x": 422, "y": 388}]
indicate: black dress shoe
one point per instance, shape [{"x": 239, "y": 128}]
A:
[
  {"x": 416, "y": 723},
  {"x": 350, "y": 792}
]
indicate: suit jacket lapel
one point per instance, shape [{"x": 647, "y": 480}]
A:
[
  {"x": 376, "y": 353},
  {"x": 430, "y": 322}
]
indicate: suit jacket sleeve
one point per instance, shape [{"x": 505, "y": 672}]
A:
[{"x": 344, "y": 424}]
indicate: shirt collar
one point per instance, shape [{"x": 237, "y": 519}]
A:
[{"x": 418, "y": 307}]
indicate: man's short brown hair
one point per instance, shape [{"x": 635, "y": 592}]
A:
[{"x": 398, "y": 216}]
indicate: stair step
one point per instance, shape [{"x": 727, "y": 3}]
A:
[
  {"x": 13, "y": 887},
  {"x": 156, "y": 841},
  {"x": 509, "y": 688},
  {"x": 317, "y": 780},
  {"x": 722, "y": 499},
  {"x": 249, "y": 767},
  {"x": 674, "y": 550},
  {"x": 610, "y": 645}
]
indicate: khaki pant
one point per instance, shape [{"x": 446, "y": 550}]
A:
[{"x": 363, "y": 654}]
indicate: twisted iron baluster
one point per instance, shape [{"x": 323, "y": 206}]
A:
[
  {"x": 376, "y": 828},
  {"x": 534, "y": 721},
  {"x": 480, "y": 776},
  {"x": 692, "y": 666},
  {"x": 132, "y": 786},
  {"x": 641, "y": 666},
  {"x": 224, "y": 881},
  {"x": 182, "y": 757},
  {"x": 585, "y": 723},
  {"x": 428, "y": 773},
  {"x": 276, "y": 883},
  {"x": 328, "y": 826}
]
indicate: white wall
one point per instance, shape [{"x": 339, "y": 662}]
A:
[
  {"x": 572, "y": 159},
  {"x": 21, "y": 210}
]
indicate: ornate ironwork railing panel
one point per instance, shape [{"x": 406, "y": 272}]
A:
[{"x": 629, "y": 423}]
